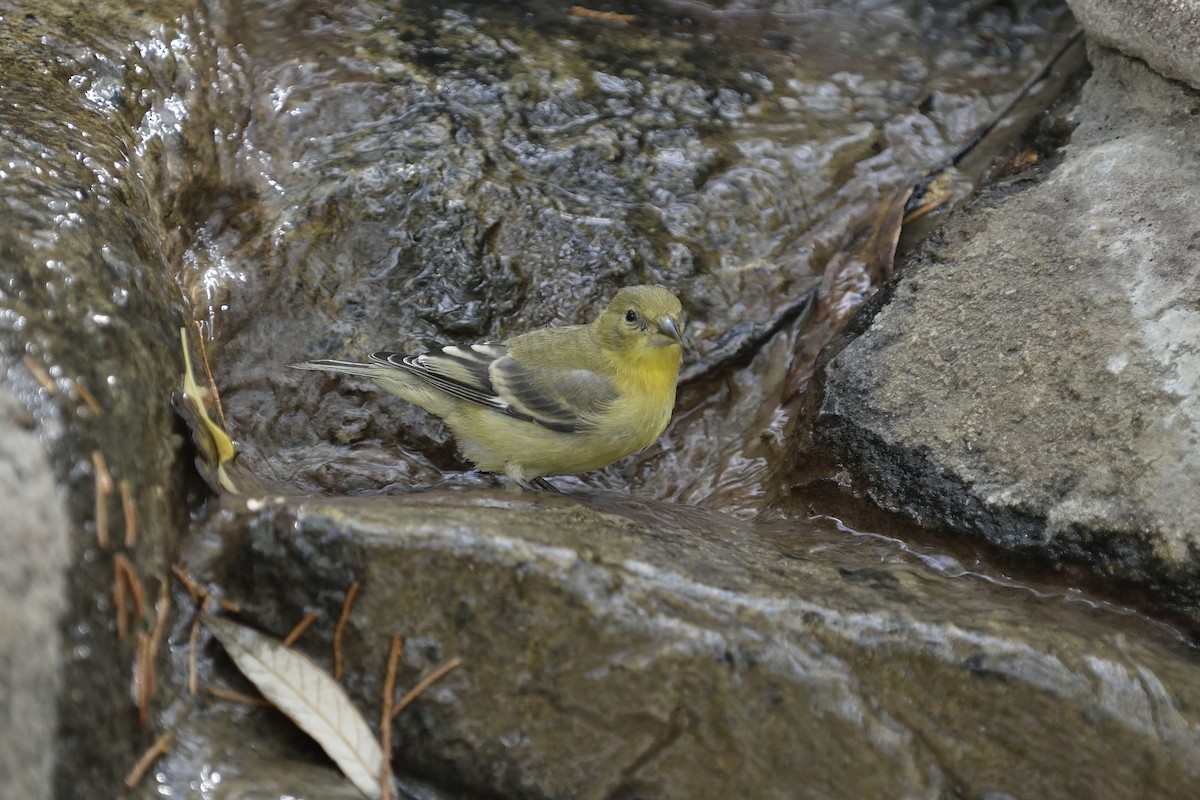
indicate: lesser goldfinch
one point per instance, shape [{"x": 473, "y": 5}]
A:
[{"x": 554, "y": 401}]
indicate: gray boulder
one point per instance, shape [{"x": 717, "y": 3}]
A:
[
  {"x": 1164, "y": 33},
  {"x": 1032, "y": 379}
]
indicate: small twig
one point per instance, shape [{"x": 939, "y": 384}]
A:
[
  {"x": 389, "y": 680},
  {"x": 917, "y": 200},
  {"x": 1021, "y": 93},
  {"x": 603, "y": 16},
  {"x": 156, "y": 751},
  {"x": 300, "y": 628},
  {"x": 143, "y": 677},
  {"x": 129, "y": 507},
  {"x": 742, "y": 347},
  {"x": 203, "y": 601},
  {"x": 125, "y": 569},
  {"x": 163, "y": 607},
  {"x": 104, "y": 487},
  {"x": 385, "y": 716},
  {"x": 197, "y": 592},
  {"x": 119, "y": 600},
  {"x": 39, "y": 372},
  {"x": 236, "y": 697},
  {"x": 104, "y": 479},
  {"x": 146, "y": 672},
  {"x": 201, "y": 595},
  {"x": 193, "y": 642},
  {"x": 86, "y": 396},
  {"x": 340, "y": 628},
  {"x": 212, "y": 384},
  {"x": 424, "y": 684}
]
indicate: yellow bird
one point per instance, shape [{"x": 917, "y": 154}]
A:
[{"x": 554, "y": 401}]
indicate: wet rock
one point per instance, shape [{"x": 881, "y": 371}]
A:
[
  {"x": 1033, "y": 378},
  {"x": 1166, "y": 35},
  {"x": 622, "y": 648},
  {"x": 89, "y": 347},
  {"x": 230, "y": 751},
  {"x": 33, "y": 538}
]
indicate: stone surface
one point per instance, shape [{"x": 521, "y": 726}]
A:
[
  {"x": 89, "y": 347},
  {"x": 615, "y": 647},
  {"x": 33, "y": 539},
  {"x": 1033, "y": 379},
  {"x": 1164, "y": 33}
]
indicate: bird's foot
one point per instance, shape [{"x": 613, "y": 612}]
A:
[{"x": 516, "y": 485}]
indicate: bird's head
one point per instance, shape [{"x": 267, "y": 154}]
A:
[{"x": 642, "y": 326}]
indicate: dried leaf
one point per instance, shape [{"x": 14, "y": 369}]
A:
[
  {"x": 223, "y": 449},
  {"x": 310, "y": 697},
  {"x": 214, "y": 445}
]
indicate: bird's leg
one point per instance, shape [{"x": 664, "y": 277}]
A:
[
  {"x": 517, "y": 481},
  {"x": 516, "y": 478}
]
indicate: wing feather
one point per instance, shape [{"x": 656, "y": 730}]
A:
[{"x": 558, "y": 399}]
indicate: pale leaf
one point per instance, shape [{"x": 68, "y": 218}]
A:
[{"x": 309, "y": 696}]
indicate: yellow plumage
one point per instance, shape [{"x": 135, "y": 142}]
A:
[{"x": 554, "y": 401}]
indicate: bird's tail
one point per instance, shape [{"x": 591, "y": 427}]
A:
[
  {"x": 332, "y": 365},
  {"x": 393, "y": 379}
]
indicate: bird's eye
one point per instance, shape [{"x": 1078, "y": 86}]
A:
[{"x": 631, "y": 316}]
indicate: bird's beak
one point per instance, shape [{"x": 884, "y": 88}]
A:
[{"x": 667, "y": 327}]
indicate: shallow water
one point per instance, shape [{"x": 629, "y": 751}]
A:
[
  {"x": 402, "y": 178},
  {"x": 890, "y": 550}
]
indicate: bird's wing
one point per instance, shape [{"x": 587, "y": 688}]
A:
[
  {"x": 461, "y": 372},
  {"x": 558, "y": 399},
  {"x": 562, "y": 400}
]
